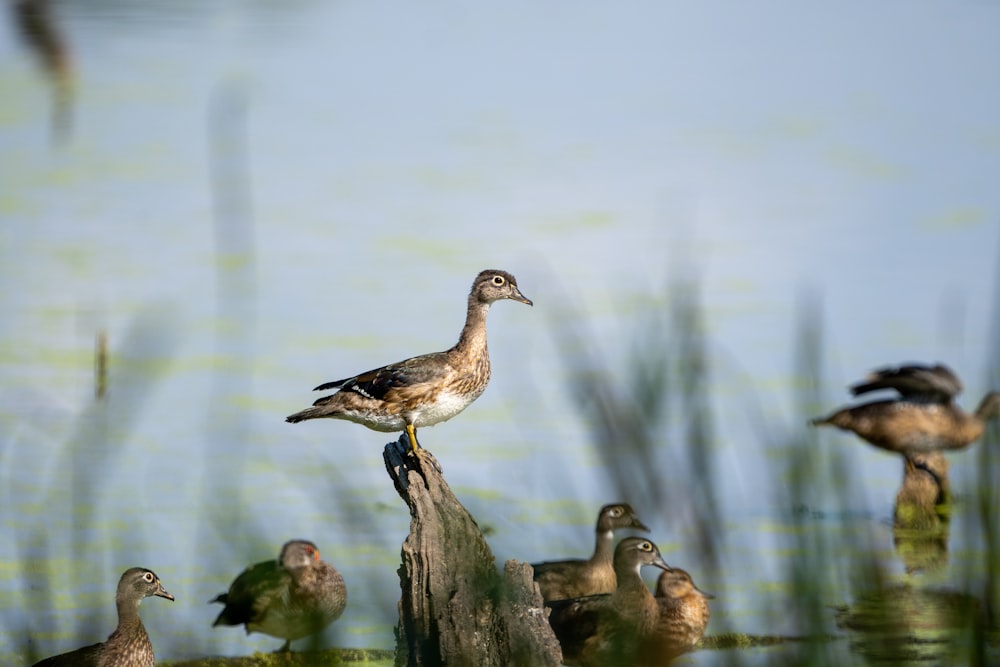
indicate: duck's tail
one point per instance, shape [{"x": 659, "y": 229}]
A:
[
  {"x": 820, "y": 421},
  {"x": 989, "y": 407},
  {"x": 308, "y": 413},
  {"x": 841, "y": 419},
  {"x": 321, "y": 407}
]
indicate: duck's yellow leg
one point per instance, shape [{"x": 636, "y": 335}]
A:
[{"x": 411, "y": 432}]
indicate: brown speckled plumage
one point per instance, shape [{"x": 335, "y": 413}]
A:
[
  {"x": 611, "y": 629},
  {"x": 559, "y": 580},
  {"x": 923, "y": 419},
  {"x": 128, "y": 645},
  {"x": 425, "y": 390},
  {"x": 683, "y": 616},
  {"x": 293, "y": 597}
]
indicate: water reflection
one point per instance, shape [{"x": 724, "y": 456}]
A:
[
  {"x": 906, "y": 623},
  {"x": 921, "y": 513},
  {"x": 915, "y": 621}
]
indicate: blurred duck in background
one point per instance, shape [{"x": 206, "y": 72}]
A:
[
  {"x": 293, "y": 597},
  {"x": 922, "y": 419}
]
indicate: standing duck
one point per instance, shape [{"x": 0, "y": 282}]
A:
[
  {"x": 610, "y": 629},
  {"x": 293, "y": 597},
  {"x": 425, "y": 390},
  {"x": 923, "y": 419},
  {"x": 128, "y": 645},
  {"x": 562, "y": 579}
]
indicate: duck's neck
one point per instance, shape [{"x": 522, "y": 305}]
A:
[
  {"x": 473, "y": 338},
  {"x": 603, "y": 550},
  {"x": 129, "y": 623},
  {"x": 630, "y": 581},
  {"x": 634, "y": 602}
]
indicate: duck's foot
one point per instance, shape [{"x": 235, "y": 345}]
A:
[
  {"x": 427, "y": 456},
  {"x": 418, "y": 451},
  {"x": 422, "y": 455}
]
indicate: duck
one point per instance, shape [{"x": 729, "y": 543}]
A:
[
  {"x": 129, "y": 644},
  {"x": 562, "y": 579},
  {"x": 612, "y": 627},
  {"x": 290, "y": 598},
  {"x": 923, "y": 419},
  {"x": 683, "y": 617},
  {"x": 424, "y": 390}
]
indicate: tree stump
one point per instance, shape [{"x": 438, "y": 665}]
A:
[{"x": 456, "y": 609}]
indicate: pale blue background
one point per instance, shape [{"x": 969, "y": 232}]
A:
[{"x": 772, "y": 150}]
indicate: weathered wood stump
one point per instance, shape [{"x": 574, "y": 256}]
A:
[{"x": 456, "y": 609}]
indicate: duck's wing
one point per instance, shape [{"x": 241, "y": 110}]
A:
[
  {"x": 88, "y": 656},
  {"x": 375, "y": 384},
  {"x": 559, "y": 579},
  {"x": 553, "y": 568},
  {"x": 576, "y": 620},
  {"x": 933, "y": 383},
  {"x": 252, "y": 592}
]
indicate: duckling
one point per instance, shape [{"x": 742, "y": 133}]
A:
[
  {"x": 923, "y": 419},
  {"x": 128, "y": 645},
  {"x": 610, "y": 628},
  {"x": 562, "y": 579}
]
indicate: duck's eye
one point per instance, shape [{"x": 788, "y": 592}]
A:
[
  {"x": 148, "y": 577},
  {"x": 646, "y": 546},
  {"x": 616, "y": 512},
  {"x": 498, "y": 280}
]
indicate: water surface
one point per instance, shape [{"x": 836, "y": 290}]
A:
[{"x": 252, "y": 199}]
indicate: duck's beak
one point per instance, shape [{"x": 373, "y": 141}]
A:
[
  {"x": 638, "y": 525},
  {"x": 162, "y": 592},
  {"x": 662, "y": 564},
  {"x": 517, "y": 296}
]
